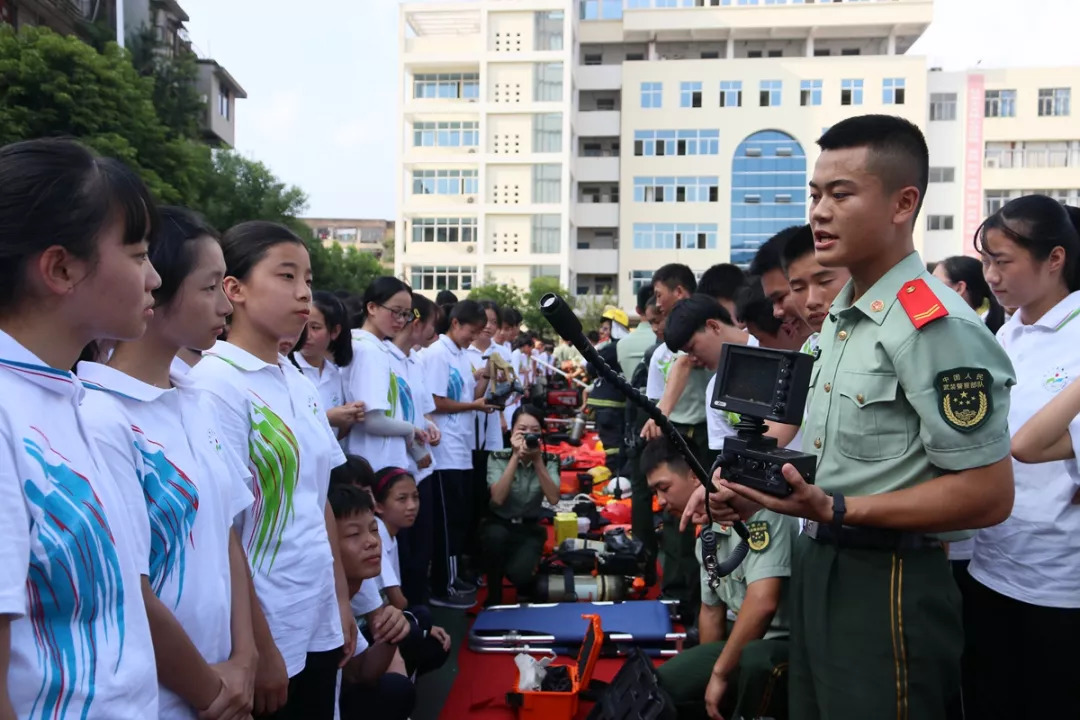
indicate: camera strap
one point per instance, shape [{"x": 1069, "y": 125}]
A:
[{"x": 708, "y": 556}]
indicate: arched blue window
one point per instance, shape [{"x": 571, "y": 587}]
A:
[{"x": 768, "y": 191}]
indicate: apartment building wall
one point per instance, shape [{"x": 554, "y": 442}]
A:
[
  {"x": 1004, "y": 142},
  {"x": 485, "y": 177},
  {"x": 764, "y": 153}
]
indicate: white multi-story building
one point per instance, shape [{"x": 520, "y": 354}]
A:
[{"x": 596, "y": 140}]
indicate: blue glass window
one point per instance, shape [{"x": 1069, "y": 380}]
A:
[
  {"x": 651, "y": 94},
  {"x": 690, "y": 94},
  {"x": 851, "y": 92},
  {"x": 810, "y": 92},
  {"x": 731, "y": 93},
  {"x": 892, "y": 91}
]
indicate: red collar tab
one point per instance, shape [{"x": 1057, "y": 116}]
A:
[{"x": 920, "y": 303}]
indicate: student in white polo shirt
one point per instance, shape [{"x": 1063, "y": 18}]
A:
[
  {"x": 327, "y": 349},
  {"x": 416, "y": 541},
  {"x": 74, "y": 536},
  {"x": 377, "y": 377},
  {"x": 1025, "y": 600},
  {"x": 194, "y": 486},
  {"x": 458, "y": 392},
  {"x": 270, "y": 413}
]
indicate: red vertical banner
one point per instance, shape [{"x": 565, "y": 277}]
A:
[
  {"x": 973, "y": 159},
  {"x": 6, "y": 16}
]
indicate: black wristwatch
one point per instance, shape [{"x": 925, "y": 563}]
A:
[{"x": 839, "y": 509}]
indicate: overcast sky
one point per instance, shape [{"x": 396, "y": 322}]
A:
[{"x": 321, "y": 74}]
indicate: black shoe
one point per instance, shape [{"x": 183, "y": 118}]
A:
[
  {"x": 454, "y": 600},
  {"x": 464, "y": 587}
]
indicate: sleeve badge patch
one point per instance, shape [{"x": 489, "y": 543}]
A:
[
  {"x": 964, "y": 397},
  {"x": 759, "y": 535}
]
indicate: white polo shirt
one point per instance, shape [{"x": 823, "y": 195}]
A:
[
  {"x": 390, "y": 576},
  {"x": 71, "y": 555},
  {"x": 425, "y": 405},
  {"x": 378, "y": 380},
  {"x": 329, "y": 381},
  {"x": 487, "y": 428},
  {"x": 1034, "y": 556},
  {"x": 448, "y": 374},
  {"x": 194, "y": 488},
  {"x": 271, "y": 415}
]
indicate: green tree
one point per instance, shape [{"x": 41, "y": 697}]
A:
[
  {"x": 52, "y": 85},
  {"x": 336, "y": 268},
  {"x": 175, "y": 76},
  {"x": 538, "y": 288},
  {"x": 238, "y": 189},
  {"x": 591, "y": 310},
  {"x": 503, "y": 295}
]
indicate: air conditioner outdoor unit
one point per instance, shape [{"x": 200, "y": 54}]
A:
[
  {"x": 993, "y": 162},
  {"x": 470, "y": 249},
  {"x": 472, "y": 151},
  {"x": 471, "y": 200}
]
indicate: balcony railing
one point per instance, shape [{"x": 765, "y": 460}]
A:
[{"x": 1010, "y": 159}]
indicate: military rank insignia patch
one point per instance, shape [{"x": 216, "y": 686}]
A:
[
  {"x": 964, "y": 397},
  {"x": 759, "y": 535}
]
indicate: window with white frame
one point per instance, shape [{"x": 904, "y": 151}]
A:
[
  {"x": 444, "y": 230},
  {"x": 651, "y": 94},
  {"x": 546, "y": 233},
  {"x": 445, "y": 182},
  {"x": 547, "y": 133},
  {"x": 703, "y": 189},
  {"x": 224, "y": 102},
  {"x": 548, "y": 30},
  {"x": 942, "y": 174},
  {"x": 648, "y": 143},
  {"x": 939, "y": 222},
  {"x": 640, "y": 279},
  {"x": 446, "y": 134},
  {"x": 690, "y": 94},
  {"x": 892, "y": 91},
  {"x": 675, "y": 236},
  {"x": 446, "y": 86},
  {"x": 1054, "y": 102},
  {"x": 548, "y": 82},
  {"x": 769, "y": 93},
  {"x": 851, "y": 92},
  {"x": 731, "y": 93},
  {"x": 810, "y": 92},
  {"x": 547, "y": 184},
  {"x": 442, "y": 277},
  {"x": 1000, "y": 103},
  {"x": 942, "y": 106},
  {"x": 539, "y": 271}
]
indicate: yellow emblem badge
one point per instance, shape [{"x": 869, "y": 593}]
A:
[
  {"x": 964, "y": 397},
  {"x": 759, "y": 535}
]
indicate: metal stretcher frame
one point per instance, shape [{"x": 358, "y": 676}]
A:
[{"x": 558, "y": 627}]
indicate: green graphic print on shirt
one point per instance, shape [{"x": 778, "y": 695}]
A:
[{"x": 275, "y": 454}]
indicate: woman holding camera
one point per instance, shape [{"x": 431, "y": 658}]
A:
[{"x": 520, "y": 479}]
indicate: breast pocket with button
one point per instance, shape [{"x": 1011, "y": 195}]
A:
[{"x": 873, "y": 422}]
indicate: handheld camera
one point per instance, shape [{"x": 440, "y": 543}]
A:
[
  {"x": 762, "y": 384},
  {"x": 532, "y": 441}
]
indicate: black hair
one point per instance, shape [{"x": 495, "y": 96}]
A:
[
  {"x": 532, "y": 411},
  {"x": 722, "y": 281},
  {"x": 769, "y": 255},
  {"x": 643, "y": 294},
  {"x": 445, "y": 297},
  {"x": 380, "y": 291},
  {"x": 1038, "y": 224},
  {"x": 469, "y": 312},
  {"x": 652, "y": 300},
  {"x": 754, "y": 308},
  {"x": 246, "y": 244},
  {"x": 335, "y": 315},
  {"x": 442, "y": 318},
  {"x": 931, "y": 266},
  {"x": 675, "y": 275},
  {"x": 386, "y": 479},
  {"x": 58, "y": 192},
  {"x": 493, "y": 306},
  {"x": 355, "y": 471},
  {"x": 962, "y": 268},
  {"x": 423, "y": 308},
  {"x": 661, "y": 451},
  {"x": 511, "y": 317},
  {"x": 800, "y": 243},
  {"x": 593, "y": 336},
  {"x": 689, "y": 316},
  {"x": 521, "y": 341},
  {"x": 173, "y": 249},
  {"x": 897, "y": 149},
  {"x": 349, "y": 500},
  {"x": 354, "y": 306}
]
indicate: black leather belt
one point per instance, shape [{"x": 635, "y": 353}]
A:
[{"x": 868, "y": 538}]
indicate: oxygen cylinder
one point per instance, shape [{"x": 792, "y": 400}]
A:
[
  {"x": 587, "y": 588},
  {"x": 577, "y": 427}
]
